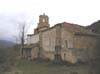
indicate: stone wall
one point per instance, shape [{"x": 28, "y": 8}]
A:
[
  {"x": 85, "y": 47},
  {"x": 33, "y": 39},
  {"x": 66, "y": 39},
  {"x": 48, "y": 55},
  {"x": 68, "y": 56},
  {"x": 34, "y": 53},
  {"x": 77, "y": 47},
  {"x": 48, "y": 43},
  {"x": 48, "y": 40},
  {"x": 67, "y": 46}
]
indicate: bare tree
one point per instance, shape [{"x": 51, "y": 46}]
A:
[
  {"x": 22, "y": 34},
  {"x": 22, "y": 29}
]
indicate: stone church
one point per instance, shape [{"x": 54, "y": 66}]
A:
[{"x": 63, "y": 42}]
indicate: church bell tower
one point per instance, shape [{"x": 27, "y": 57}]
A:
[{"x": 43, "y": 23}]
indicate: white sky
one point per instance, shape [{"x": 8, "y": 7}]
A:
[{"x": 83, "y": 12}]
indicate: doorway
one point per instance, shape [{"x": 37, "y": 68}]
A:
[{"x": 64, "y": 56}]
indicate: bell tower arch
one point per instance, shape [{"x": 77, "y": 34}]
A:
[{"x": 43, "y": 23}]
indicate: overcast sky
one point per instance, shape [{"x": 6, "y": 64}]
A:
[{"x": 82, "y": 12}]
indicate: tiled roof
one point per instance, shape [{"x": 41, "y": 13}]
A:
[{"x": 77, "y": 29}]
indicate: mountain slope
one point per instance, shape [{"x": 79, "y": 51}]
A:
[{"x": 6, "y": 43}]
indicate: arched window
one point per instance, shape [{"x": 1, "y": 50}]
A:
[
  {"x": 43, "y": 20},
  {"x": 66, "y": 43}
]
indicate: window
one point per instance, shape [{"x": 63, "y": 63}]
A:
[{"x": 66, "y": 43}]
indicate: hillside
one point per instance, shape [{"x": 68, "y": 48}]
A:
[
  {"x": 95, "y": 27},
  {"x": 6, "y": 43}
]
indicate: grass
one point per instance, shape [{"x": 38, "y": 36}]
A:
[{"x": 34, "y": 67}]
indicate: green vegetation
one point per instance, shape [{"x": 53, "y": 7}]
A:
[
  {"x": 35, "y": 67},
  {"x": 7, "y": 58}
]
